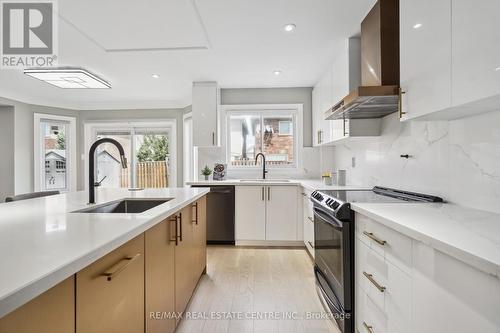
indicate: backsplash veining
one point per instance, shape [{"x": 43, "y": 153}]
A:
[{"x": 458, "y": 160}]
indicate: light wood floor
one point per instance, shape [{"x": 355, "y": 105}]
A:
[{"x": 250, "y": 282}]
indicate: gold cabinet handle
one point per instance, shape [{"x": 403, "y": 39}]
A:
[
  {"x": 372, "y": 236},
  {"x": 368, "y": 327},
  {"x": 400, "y": 104},
  {"x": 180, "y": 227},
  {"x": 310, "y": 219},
  {"x": 195, "y": 220},
  {"x": 119, "y": 267},
  {"x": 375, "y": 283},
  {"x": 174, "y": 220}
]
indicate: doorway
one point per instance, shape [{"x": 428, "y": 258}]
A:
[{"x": 149, "y": 149}]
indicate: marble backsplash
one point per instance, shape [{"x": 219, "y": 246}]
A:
[{"x": 458, "y": 160}]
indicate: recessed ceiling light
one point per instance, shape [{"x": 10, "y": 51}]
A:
[
  {"x": 68, "y": 78},
  {"x": 155, "y": 76},
  {"x": 497, "y": 69},
  {"x": 418, "y": 25},
  {"x": 277, "y": 73},
  {"x": 289, "y": 27}
]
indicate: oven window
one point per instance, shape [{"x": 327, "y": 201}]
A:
[{"x": 328, "y": 249}]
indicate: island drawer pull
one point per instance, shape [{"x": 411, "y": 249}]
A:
[
  {"x": 195, "y": 220},
  {"x": 311, "y": 244},
  {"x": 310, "y": 219},
  {"x": 174, "y": 220},
  {"x": 375, "y": 283},
  {"x": 180, "y": 227},
  {"x": 372, "y": 236},
  {"x": 119, "y": 267},
  {"x": 368, "y": 327}
]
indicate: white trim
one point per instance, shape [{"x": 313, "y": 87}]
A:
[
  {"x": 189, "y": 175},
  {"x": 38, "y": 151},
  {"x": 90, "y": 127},
  {"x": 296, "y": 109}
]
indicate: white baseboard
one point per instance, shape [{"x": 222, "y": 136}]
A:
[{"x": 269, "y": 243}]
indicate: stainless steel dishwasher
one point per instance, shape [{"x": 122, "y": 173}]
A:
[{"x": 220, "y": 214}]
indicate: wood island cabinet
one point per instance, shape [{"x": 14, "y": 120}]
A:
[
  {"x": 159, "y": 276},
  {"x": 110, "y": 292},
  {"x": 51, "y": 312}
]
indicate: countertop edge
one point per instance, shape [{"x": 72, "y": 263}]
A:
[
  {"x": 24, "y": 294},
  {"x": 467, "y": 257}
]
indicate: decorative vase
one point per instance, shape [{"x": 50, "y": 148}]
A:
[{"x": 206, "y": 177}]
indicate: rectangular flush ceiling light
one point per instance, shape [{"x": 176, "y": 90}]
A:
[{"x": 68, "y": 78}]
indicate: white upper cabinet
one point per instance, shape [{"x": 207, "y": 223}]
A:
[
  {"x": 340, "y": 78},
  {"x": 205, "y": 117},
  {"x": 476, "y": 51},
  {"x": 425, "y": 56}
]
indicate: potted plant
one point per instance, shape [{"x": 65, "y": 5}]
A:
[{"x": 206, "y": 171}]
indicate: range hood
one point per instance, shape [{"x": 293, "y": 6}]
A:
[{"x": 378, "y": 94}]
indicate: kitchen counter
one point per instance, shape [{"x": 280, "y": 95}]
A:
[
  {"x": 310, "y": 184},
  {"x": 470, "y": 235},
  {"x": 42, "y": 242}
]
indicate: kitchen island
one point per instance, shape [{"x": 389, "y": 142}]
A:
[{"x": 44, "y": 241}]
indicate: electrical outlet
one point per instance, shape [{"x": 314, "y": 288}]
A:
[{"x": 353, "y": 161}]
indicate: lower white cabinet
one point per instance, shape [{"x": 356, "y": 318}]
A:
[
  {"x": 430, "y": 292},
  {"x": 266, "y": 213}
]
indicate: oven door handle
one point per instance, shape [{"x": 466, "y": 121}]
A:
[
  {"x": 327, "y": 298},
  {"x": 325, "y": 218}
]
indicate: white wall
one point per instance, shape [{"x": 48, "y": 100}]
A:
[
  {"x": 22, "y": 140},
  {"x": 458, "y": 160},
  {"x": 7, "y": 184}
]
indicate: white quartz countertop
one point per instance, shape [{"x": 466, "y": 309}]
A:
[
  {"x": 310, "y": 184},
  {"x": 42, "y": 242},
  {"x": 472, "y": 236}
]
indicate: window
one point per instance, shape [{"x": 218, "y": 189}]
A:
[
  {"x": 250, "y": 133},
  {"x": 54, "y": 152},
  {"x": 285, "y": 127}
]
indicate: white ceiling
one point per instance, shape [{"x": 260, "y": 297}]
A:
[{"x": 237, "y": 43}]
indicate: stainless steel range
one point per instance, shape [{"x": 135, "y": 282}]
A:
[{"x": 334, "y": 245}]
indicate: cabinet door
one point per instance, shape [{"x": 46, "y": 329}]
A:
[
  {"x": 110, "y": 292},
  {"x": 476, "y": 51},
  {"x": 185, "y": 256},
  {"x": 200, "y": 233},
  {"x": 205, "y": 113},
  {"x": 281, "y": 217},
  {"x": 315, "y": 116},
  {"x": 308, "y": 222},
  {"x": 250, "y": 213},
  {"x": 159, "y": 275},
  {"x": 51, "y": 312},
  {"x": 425, "y": 56}
]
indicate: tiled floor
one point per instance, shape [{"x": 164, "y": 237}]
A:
[{"x": 244, "y": 283}]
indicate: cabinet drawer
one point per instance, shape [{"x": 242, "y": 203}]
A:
[
  {"x": 369, "y": 317},
  {"x": 390, "y": 244},
  {"x": 387, "y": 286}
]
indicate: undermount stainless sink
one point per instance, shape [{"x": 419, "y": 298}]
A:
[
  {"x": 265, "y": 180},
  {"x": 125, "y": 206}
]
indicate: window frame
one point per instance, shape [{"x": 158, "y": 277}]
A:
[
  {"x": 265, "y": 111},
  {"x": 38, "y": 151}
]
